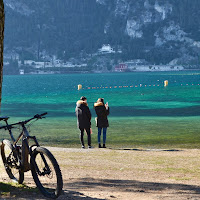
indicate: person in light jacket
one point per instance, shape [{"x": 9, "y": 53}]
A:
[
  {"x": 83, "y": 120},
  {"x": 102, "y": 111}
]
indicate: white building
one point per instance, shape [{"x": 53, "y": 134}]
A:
[
  {"x": 106, "y": 48},
  {"x": 29, "y": 62},
  {"x": 67, "y": 64},
  {"x": 21, "y": 71},
  {"x": 38, "y": 65},
  {"x": 81, "y": 65},
  {"x": 136, "y": 62},
  {"x": 48, "y": 64},
  {"x": 57, "y": 63},
  {"x": 11, "y": 56},
  {"x": 150, "y": 68}
]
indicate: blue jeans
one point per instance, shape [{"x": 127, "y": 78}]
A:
[{"x": 104, "y": 135}]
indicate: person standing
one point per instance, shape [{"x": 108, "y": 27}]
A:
[
  {"x": 102, "y": 111},
  {"x": 83, "y": 120}
]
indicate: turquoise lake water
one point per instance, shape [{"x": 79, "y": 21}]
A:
[{"x": 143, "y": 113}]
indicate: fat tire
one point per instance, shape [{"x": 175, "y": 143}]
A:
[
  {"x": 8, "y": 170},
  {"x": 43, "y": 190}
]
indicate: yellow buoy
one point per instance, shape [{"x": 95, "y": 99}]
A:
[
  {"x": 79, "y": 87},
  {"x": 166, "y": 83}
]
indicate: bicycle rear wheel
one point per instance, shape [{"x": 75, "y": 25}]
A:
[
  {"x": 11, "y": 162},
  {"x": 46, "y": 173}
]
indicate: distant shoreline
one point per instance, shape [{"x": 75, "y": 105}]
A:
[{"x": 103, "y": 72}]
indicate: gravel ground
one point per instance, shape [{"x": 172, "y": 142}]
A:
[{"x": 97, "y": 174}]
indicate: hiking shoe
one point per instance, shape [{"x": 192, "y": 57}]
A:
[
  {"x": 100, "y": 146},
  {"x": 104, "y": 146},
  {"x": 83, "y": 147}
]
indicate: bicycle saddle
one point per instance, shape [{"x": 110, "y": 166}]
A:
[{"x": 4, "y": 118}]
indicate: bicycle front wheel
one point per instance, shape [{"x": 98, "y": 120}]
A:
[
  {"x": 11, "y": 162},
  {"x": 46, "y": 172}
]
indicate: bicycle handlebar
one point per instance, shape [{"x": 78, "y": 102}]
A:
[
  {"x": 40, "y": 116},
  {"x": 37, "y": 116}
]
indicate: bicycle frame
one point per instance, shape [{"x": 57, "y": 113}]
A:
[
  {"x": 27, "y": 156},
  {"x": 26, "y": 150}
]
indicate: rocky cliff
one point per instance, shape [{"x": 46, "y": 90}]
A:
[{"x": 160, "y": 31}]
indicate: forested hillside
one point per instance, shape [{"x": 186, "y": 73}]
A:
[{"x": 156, "y": 30}]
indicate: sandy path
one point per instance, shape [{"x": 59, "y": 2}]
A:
[{"x": 95, "y": 174}]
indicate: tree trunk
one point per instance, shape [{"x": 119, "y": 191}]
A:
[{"x": 2, "y": 21}]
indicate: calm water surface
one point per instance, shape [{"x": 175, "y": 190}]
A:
[{"x": 143, "y": 111}]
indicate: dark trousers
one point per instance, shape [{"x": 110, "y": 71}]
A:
[{"x": 88, "y": 136}]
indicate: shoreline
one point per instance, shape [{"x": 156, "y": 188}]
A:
[{"x": 103, "y": 72}]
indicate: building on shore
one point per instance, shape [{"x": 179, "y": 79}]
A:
[
  {"x": 21, "y": 71},
  {"x": 122, "y": 67},
  {"x": 106, "y": 48},
  {"x": 151, "y": 68},
  {"x": 142, "y": 65},
  {"x": 37, "y": 65}
]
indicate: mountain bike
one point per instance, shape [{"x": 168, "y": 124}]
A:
[{"x": 22, "y": 158}]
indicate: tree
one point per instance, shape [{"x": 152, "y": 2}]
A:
[{"x": 2, "y": 21}]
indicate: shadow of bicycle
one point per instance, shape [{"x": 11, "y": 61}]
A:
[{"x": 17, "y": 191}]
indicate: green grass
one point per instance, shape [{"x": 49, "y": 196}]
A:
[
  {"x": 12, "y": 189},
  {"x": 127, "y": 132},
  {"x": 180, "y": 179}
]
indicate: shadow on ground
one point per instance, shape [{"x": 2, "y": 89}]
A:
[
  {"x": 8, "y": 191},
  {"x": 11, "y": 191},
  {"x": 73, "y": 189},
  {"x": 129, "y": 149},
  {"x": 132, "y": 186}
]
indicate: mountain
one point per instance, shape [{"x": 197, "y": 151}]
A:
[{"x": 159, "y": 31}]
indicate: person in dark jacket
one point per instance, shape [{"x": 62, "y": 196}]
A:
[
  {"x": 102, "y": 111},
  {"x": 83, "y": 120}
]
